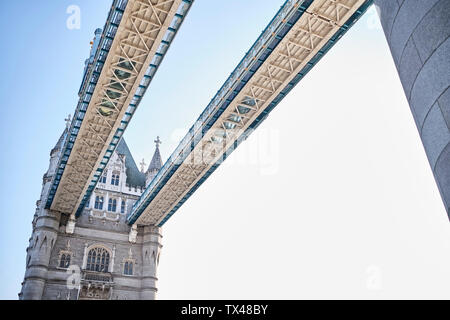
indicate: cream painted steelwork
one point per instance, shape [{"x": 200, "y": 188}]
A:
[{"x": 140, "y": 41}]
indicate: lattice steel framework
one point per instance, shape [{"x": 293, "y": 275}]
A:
[
  {"x": 134, "y": 41},
  {"x": 295, "y": 40}
]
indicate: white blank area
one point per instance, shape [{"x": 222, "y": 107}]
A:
[{"x": 353, "y": 193}]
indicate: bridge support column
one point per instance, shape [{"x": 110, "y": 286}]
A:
[
  {"x": 38, "y": 255},
  {"x": 151, "y": 249},
  {"x": 418, "y": 32}
]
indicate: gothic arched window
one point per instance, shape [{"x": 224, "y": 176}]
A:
[
  {"x": 98, "y": 260},
  {"x": 98, "y": 203},
  {"x": 103, "y": 177},
  {"x": 115, "y": 178},
  {"x": 128, "y": 268},
  {"x": 112, "y": 205},
  {"x": 64, "y": 261},
  {"x": 122, "y": 206}
]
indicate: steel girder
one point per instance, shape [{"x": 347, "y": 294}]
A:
[
  {"x": 299, "y": 35},
  {"x": 134, "y": 42}
]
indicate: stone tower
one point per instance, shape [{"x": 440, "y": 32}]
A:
[
  {"x": 418, "y": 35},
  {"x": 100, "y": 256}
]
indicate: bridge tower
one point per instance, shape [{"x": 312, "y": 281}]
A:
[
  {"x": 418, "y": 35},
  {"x": 44, "y": 235},
  {"x": 82, "y": 246},
  {"x": 97, "y": 259}
]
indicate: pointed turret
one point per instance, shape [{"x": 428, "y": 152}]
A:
[
  {"x": 62, "y": 139},
  {"x": 56, "y": 151},
  {"x": 155, "y": 164},
  {"x": 60, "y": 142}
]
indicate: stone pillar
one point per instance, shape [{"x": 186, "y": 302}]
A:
[
  {"x": 418, "y": 32},
  {"x": 39, "y": 251},
  {"x": 151, "y": 249},
  {"x": 43, "y": 238}
]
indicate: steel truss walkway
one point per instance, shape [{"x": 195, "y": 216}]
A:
[
  {"x": 299, "y": 35},
  {"x": 134, "y": 41}
]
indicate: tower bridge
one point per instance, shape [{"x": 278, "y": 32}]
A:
[{"x": 99, "y": 213}]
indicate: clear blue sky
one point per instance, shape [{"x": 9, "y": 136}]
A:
[{"x": 42, "y": 68}]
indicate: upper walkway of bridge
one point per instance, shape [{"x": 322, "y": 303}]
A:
[
  {"x": 299, "y": 35},
  {"x": 124, "y": 60}
]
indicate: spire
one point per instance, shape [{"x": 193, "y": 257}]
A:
[
  {"x": 155, "y": 164},
  {"x": 61, "y": 139},
  {"x": 60, "y": 142}
]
